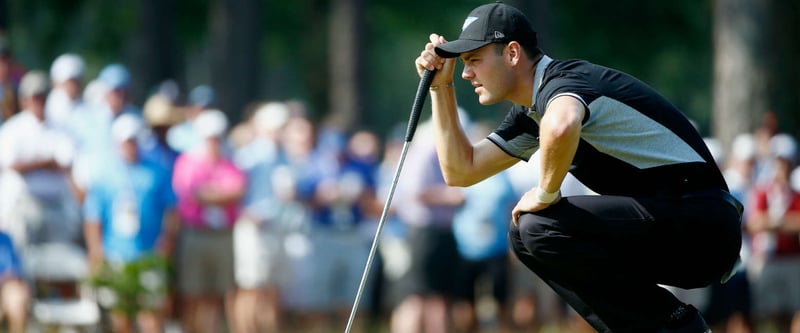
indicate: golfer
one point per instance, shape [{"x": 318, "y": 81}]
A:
[{"x": 664, "y": 214}]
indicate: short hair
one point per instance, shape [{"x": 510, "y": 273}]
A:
[{"x": 529, "y": 47}]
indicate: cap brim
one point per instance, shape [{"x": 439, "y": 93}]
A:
[
  {"x": 457, "y": 47},
  {"x": 173, "y": 116}
]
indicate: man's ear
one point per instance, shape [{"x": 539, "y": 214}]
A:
[{"x": 514, "y": 52}]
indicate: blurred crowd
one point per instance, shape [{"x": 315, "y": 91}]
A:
[{"x": 166, "y": 216}]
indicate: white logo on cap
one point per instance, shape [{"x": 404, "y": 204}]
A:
[
  {"x": 498, "y": 34},
  {"x": 468, "y": 21}
]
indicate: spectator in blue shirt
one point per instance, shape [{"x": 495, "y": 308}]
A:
[
  {"x": 129, "y": 229},
  {"x": 14, "y": 292}
]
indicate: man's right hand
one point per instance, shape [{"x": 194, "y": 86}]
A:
[{"x": 429, "y": 60}]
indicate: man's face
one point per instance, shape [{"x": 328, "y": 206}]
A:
[
  {"x": 35, "y": 104},
  {"x": 72, "y": 87},
  {"x": 488, "y": 73},
  {"x": 129, "y": 150},
  {"x": 214, "y": 146},
  {"x": 116, "y": 99}
]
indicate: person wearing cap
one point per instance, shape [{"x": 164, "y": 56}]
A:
[
  {"x": 66, "y": 73},
  {"x": 117, "y": 80},
  {"x": 92, "y": 123},
  {"x": 41, "y": 155},
  {"x": 663, "y": 216},
  {"x": 161, "y": 115},
  {"x": 35, "y": 158},
  {"x": 773, "y": 223},
  {"x": 90, "y": 126},
  {"x": 209, "y": 188},
  {"x": 130, "y": 223},
  {"x": 182, "y": 137},
  {"x": 257, "y": 242}
]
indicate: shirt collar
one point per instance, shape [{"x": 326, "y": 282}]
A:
[{"x": 538, "y": 76}]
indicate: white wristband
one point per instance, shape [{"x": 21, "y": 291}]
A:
[{"x": 545, "y": 197}]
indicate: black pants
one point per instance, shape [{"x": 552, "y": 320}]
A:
[{"x": 606, "y": 255}]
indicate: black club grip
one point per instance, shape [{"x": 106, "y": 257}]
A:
[{"x": 419, "y": 101}]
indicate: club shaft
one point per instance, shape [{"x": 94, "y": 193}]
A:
[
  {"x": 374, "y": 248},
  {"x": 416, "y": 110}
]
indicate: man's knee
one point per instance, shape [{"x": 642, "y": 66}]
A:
[
  {"x": 538, "y": 235},
  {"x": 14, "y": 294}
]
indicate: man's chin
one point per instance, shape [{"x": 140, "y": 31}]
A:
[{"x": 482, "y": 100}]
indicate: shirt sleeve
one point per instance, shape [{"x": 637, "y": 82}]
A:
[
  {"x": 565, "y": 83},
  {"x": 236, "y": 178},
  {"x": 757, "y": 202},
  {"x": 92, "y": 205},
  {"x": 182, "y": 177},
  {"x": 166, "y": 192},
  {"x": 7, "y": 146},
  {"x": 518, "y": 134}
]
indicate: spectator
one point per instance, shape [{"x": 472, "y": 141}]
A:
[
  {"x": 391, "y": 266},
  {"x": 170, "y": 90},
  {"x": 257, "y": 236},
  {"x": 66, "y": 73},
  {"x": 209, "y": 188},
  {"x": 739, "y": 170},
  {"x": 763, "y": 133},
  {"x": 427, "y": 205},
  {"x": 15, "y": 294},
  {"x": 479, "y": 227},
  {"x": 160, "y": 114},
  {"x": 730, "y": 304},
  {"x": 352, "y": 214},
  {"x": 364, "y": 153},
  {"x": 773, "y": 222},
  {"x": 309, "y": 180},
  {"x": 182, "y": 137},
  {"x": 94, "y": 94},
  {"x": 91, "y": 126},
  {"x": 130, "y": 225},
  {"x": 10, "y": 75},
  {"x": 333, "y": 185},
  {"x": 42, "y": 155},
  {"x": 44, "y": 212},
  {"x": 292, "y": 221}
]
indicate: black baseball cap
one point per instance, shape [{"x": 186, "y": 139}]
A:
[{"x": 491, "y": 23}]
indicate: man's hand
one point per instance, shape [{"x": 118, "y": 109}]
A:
[
  {"x": 429, "y": 60},
  {"x": 529, "y": 203}
]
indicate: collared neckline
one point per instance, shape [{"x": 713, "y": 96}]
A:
[{"x": 538, "y": 76}]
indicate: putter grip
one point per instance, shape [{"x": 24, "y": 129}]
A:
[{"x": 419, "y": 101}]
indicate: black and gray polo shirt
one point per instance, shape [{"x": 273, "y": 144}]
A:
[{"x": 633, "y": 141}]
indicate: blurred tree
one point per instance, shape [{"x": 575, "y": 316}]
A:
[
  {"x": 309, "y": 43},
  {"x": 235, "y": 44},
  {"x": 3, "y": 15},
  {"x": 345, "y": 94},
  {"x": 740, "y": 68},
  {"x": 156, "y": 53},
  {"x": 783, "y": 50},
  {"x": 540, "y": 13},
  {"x": 259, "y": 49},
  {"x": 666, "y": 44}
]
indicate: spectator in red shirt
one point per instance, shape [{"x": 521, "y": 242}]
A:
[{"x": 774, "y": 223}]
